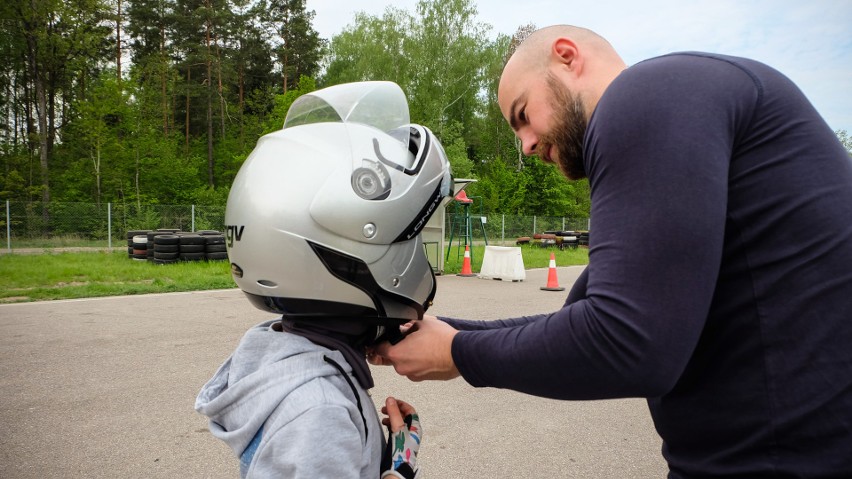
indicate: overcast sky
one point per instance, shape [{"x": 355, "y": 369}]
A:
[{"x": 808, "y": 40}]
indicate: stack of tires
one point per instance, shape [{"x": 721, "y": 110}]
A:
[
  {"x": 214, "y": 246},
  {"x": 567, "y": 239},
  {"x": 165, "y": 246},
  {"x": 137, "y": 244},
  {"x": 151, "y": 236},
  {"x": 191, "y": 247}
]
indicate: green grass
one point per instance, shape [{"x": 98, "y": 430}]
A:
[
  {"x": 48, "y": 276},
  {"x": 534, "y": 257},
  {"x": 36, "y": 277}
]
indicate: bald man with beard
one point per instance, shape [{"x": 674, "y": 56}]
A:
[{"x": 719, "y": 283}]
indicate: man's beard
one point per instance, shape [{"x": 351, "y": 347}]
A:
[{"x": 567, "y": 133}]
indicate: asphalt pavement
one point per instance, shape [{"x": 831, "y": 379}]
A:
[{"x": 105, "y": 388}]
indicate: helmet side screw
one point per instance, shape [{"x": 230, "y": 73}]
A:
[{"x": 369, "y": 230}]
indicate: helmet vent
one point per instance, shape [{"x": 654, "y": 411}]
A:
[{"x": 266, "y": 283}]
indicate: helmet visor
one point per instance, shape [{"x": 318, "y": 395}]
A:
[{"x": 379, "y": 104}]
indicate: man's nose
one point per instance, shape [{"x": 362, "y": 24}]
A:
[{"x": 529, "y": 141}]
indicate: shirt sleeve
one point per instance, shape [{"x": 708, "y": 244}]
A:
[{"x": 657, "y": 155}]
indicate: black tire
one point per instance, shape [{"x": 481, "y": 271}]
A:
[
  {"x": 164, "y": 261},
  {"x": 193, "y": 256},
  {"x": 216, "y": 248},
  {"x": 168, "y": 230},
  {"x": 217, "y": 256},
  {"x": 208, "y": 232},
  {"x": 159, "y": 255},
  {"x": 139, "y": 256},
  {"x": 166, "y": 239},
  {"x": 192, "y": 239},
  {"x": 215, "y": 239},
  {"x": 192, "y": 248},
  {"x": 152, "y": 235},
  {"x": 166, "y": 248}
]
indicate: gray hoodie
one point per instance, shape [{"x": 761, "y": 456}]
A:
[{"x": 287, "y": 412}]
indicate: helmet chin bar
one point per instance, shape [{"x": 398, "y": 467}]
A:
[{"x": 355, "y": 272}]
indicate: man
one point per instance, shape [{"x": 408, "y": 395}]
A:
[{"x": 719, "y": 283}]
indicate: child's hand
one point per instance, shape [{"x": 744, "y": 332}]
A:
[{"x": 404, "y": 433}]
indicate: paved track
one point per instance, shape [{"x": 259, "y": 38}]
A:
[{"x": 105, "y": 388}]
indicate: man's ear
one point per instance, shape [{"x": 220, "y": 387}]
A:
[{"x": 564, "y": 51}]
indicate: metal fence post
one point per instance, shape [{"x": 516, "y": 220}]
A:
[
  {"x": 534, "y": 230},
  {"x": 503, "y": 230},
  {"x": 193, "y": 218},
  {"x": 8, "y": 228},
  {"x": 109, "y": 226}
]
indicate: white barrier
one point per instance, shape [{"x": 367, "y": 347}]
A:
[{"x": 503, "y": 262}]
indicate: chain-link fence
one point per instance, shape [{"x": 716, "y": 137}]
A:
[{"x": 56, "y": 225}]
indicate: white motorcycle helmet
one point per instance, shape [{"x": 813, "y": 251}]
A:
[{"x": 324, "y": 217}]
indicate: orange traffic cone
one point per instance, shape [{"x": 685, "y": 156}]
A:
[
  {"x": 466, "y": 271},
  {"x": 552, "y": 282}
]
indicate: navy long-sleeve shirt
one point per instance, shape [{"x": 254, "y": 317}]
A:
[{"x": 719, "y": 283}]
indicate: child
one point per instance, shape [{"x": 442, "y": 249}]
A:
[{"x": 323, "y": 224}]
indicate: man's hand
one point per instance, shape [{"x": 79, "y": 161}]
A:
[{"x": 425, "y": 353}]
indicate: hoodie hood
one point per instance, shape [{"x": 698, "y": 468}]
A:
[{"x": 266, "y": 367}]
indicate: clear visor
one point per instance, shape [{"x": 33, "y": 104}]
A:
[{"x": 379, "y": 104}]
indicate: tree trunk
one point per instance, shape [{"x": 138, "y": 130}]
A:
[
  {"x": 96, "y": 161},
  {"x": 41, "y": 112},
  {"x": 163, "y": 80},
  {"x": 284, "y": 67},
  {"x": 219, "y": 89},
  {"x": 242, "y": 105},
  {"x": 209, "y": 108},
  {"x": 118, "y": 44},
  {"x": 186, "y": 134},
  {"x": 138, "y": 199}
]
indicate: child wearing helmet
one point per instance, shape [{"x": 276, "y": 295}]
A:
[{"x": 323, "y": 228}]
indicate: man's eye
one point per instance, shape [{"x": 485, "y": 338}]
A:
[{"x": 522, "y": 115}]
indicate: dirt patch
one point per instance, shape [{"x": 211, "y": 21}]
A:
[
  {"x": 63, "y": 284},
  {"x": 15, "y": 299}
]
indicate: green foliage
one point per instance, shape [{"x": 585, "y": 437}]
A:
[
  {"x": 534, "y": 256},
  {"x": 78, "y": 275},
  {"x": 209, "y": 77},
  {"x": 275, "y": 120},
  {"x": 845, "y": 140},
  {"x": 456, "y": 149}
]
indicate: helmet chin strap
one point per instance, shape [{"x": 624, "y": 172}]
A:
[{"x": 387, "y": 329}]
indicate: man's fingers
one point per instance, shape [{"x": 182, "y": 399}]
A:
[
  {"x": 382, "y": 349},
  {"x": 404, "y": 408}
]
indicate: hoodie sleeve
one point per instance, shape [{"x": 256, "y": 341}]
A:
[{"x": 321, "y": 442}]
